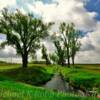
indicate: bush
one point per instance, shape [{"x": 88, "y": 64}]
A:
[{"x": 38, "y": 62}]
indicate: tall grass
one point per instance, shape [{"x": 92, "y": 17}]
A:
[{"x": 18, "y": 91}]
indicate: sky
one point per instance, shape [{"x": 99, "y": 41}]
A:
[{"x": 84, "y": 13}]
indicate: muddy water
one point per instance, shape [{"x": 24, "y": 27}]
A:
[{"x": 57, "y": 83}]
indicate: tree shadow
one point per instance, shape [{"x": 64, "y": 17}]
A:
[{"x": 32, "y": 75}]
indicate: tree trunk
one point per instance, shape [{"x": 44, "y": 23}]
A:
[
  {"x": 25, "y": 60},
  {"x": 48, "y": 61},
  {"x": 68, "y": 62},
  {"x": 68, "y": 57},
  {"x": 73, "y": 60}
]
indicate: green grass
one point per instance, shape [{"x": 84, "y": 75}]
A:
[
  {"x": 85, "y": 79},
  {"x": 10, "y": 90},
  {"x": 6, "y": 66},
  {"x": 32, "y": 75},
  {"x": 82, "y": 76}
]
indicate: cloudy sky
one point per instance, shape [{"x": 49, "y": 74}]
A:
[{"x": 84, "y": 13}]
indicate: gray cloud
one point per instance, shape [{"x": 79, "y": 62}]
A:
[
  {"x": 87, "y": 47},
  {"x": 8, "y": 51}
]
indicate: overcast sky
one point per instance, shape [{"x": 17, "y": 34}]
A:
[{"x": 84, "y": 13}]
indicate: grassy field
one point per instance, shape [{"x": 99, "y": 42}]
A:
[
  {"x": 10, "y": 90},
  {"x": 85, "y": 77},
  {"x": 13, "y": 80}
]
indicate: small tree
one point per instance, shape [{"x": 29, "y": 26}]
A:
[
  {"x": 65, "y": 32},
  {"x": 45, "y": 55},
  {"x": 75, "y": 43},
  {"x": 54, "y": 58},
  {"x": 23, "y": 32},
  {"x": 60, "y": 52}
]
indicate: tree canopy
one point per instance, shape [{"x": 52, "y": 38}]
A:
[
  {"x": 23, "y": 31},
  {"x": 45, "y": 55}
]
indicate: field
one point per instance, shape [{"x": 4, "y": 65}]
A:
[{"x": 26, "y": 84}]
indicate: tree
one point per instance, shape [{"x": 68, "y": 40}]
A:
[
  {"x": 23, "y": 32},
  {"x": 75, "y": 43},
  {"x": 60, "y": 52},
  {"x": 54, "y": 58},
  {"x": 65, "y": 32},
  {"x": 67, "y": 43},
  {"x": 59, "y": 55},
  {"x": 45, "y": 55}
]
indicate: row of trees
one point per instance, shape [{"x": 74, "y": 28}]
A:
[
  {"x": 24, "y": 32},
  {"x": 67, "y": 44}
]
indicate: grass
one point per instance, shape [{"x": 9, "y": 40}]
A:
[
  {"x": 82, "y": 76},
  {"x": 85, "y": 77},
  {"x": 10, "y": 90},
  {"x": 32, "y": 75}
]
